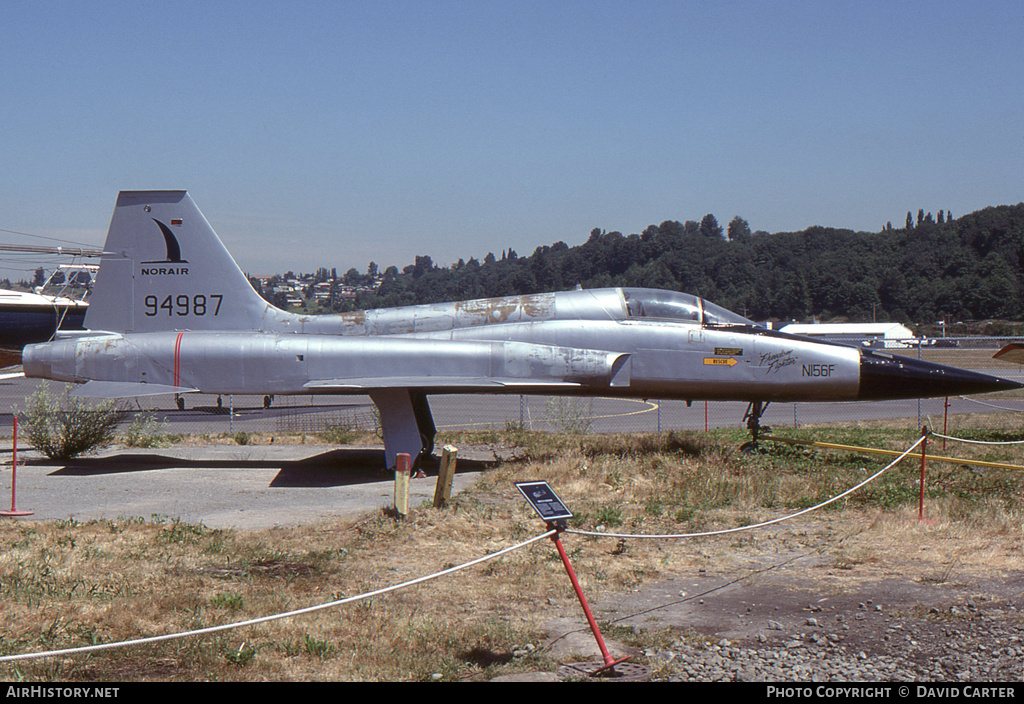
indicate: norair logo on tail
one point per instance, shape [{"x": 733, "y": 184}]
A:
[{"x": 173, "y": 255}]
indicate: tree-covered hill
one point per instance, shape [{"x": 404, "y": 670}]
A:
[{"x": 965, "y": 268}]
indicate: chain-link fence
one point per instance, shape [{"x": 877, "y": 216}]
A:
[{"x": 202, "y": 414}]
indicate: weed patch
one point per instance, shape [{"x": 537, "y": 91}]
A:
[{"x": 65, "y": 427}]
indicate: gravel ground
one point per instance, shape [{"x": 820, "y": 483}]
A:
[
  {"x": 900, "y": 633},
  {"x": 796, "y": 618}
]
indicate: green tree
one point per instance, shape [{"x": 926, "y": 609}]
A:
[
  {"x": 739, "y": 230},
  {"x": 709, "y": 227}
]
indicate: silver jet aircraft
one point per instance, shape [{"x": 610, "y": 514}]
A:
[{"x": 171, "y": 312}]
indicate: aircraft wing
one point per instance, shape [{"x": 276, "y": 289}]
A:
[
  {"x": 1013, "y": 352},
  {"x": 439, "y": 366},
  {"x": 240, "y": 363},
  {"x": 126, "y": 389},
  {"x": 437, "y": 383}
]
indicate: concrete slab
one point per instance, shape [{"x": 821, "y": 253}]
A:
[{"x": 220, "y": 486}]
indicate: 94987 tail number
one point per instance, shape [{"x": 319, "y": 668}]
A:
[{"x": 182, "y": 305}]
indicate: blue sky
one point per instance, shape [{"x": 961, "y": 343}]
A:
[{"x": 339, "y": 133}]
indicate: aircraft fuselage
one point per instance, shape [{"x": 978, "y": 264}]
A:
[{"x": 171, "y": 312}]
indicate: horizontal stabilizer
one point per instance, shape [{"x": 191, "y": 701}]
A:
[
  {"x": 1013, "y": 353},
  {"x": 127, "y": 389}
]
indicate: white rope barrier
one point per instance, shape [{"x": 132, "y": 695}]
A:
[
  {"x": 273, "y": 617},
  {"x": 738, "y": 529},
  {"x": 978, "y": 442},
  {"x": 442, "y": 573},
  {"x": 990, "y": 405}
]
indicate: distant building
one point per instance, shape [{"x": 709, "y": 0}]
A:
[{"x": 888, "y": 335}]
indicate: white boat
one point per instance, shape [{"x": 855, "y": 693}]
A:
[{"x": 26, "y": 318}]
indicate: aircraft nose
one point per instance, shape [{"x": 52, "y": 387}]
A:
[{"x": 891, "y": 377}]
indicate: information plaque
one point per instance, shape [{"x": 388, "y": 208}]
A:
[{"x": 544, "y": 501}]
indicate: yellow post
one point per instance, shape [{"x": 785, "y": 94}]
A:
[
  {"x": 403, "y": 468},
  {"x": 892, "y": 453},
  {"x": 443, "y": 490}
]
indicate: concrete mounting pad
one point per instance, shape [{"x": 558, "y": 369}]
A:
[{"x": 220, "y": 486}]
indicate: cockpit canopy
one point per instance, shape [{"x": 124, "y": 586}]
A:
[{"x": 672, "y": 305}]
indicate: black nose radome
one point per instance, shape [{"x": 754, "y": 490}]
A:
[{"x": 891, "y": 376}]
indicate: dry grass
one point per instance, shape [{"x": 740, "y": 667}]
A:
[{"x": 66, "y": 584}]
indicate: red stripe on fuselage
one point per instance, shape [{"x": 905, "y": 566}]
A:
[{"x": 177, "y": 359}]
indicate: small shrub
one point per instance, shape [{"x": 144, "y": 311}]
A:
[
  {"x": 609, "y": 516},
  {"x": 145, "y": 431},
  {"x": 516, "y": 433},
  {"x": 317, "y": 648},
  {"x": 66, "y": 427},
  {"x": 338, "y": 433},
  {"x": 181, "y": 532},
  {"x": 570, "y": 415},
  {"x": 232, "y": 602},
  {"x": 684, "y": 514},
  {"x": 241, "y": 657}
]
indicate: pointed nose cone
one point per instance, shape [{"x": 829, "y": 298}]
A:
[{"x": 890, "y": 377}]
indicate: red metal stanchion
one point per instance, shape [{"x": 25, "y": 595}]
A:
[
  {"x": 14, "y": 478},
  {"x": 924, "y": 447},
  {"x": 945, "y": 417},
  {"x": 609, "y": 662},
  {"x": 555, "y": 514}
]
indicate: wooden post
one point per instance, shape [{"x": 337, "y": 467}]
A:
[
  {"x": 445, "y": 475},
  {"x": 403, "y": 468},
  {"x": 14, "y": 477}
]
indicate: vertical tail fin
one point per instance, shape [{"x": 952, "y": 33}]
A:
[{"x": 164, "y": 268}]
